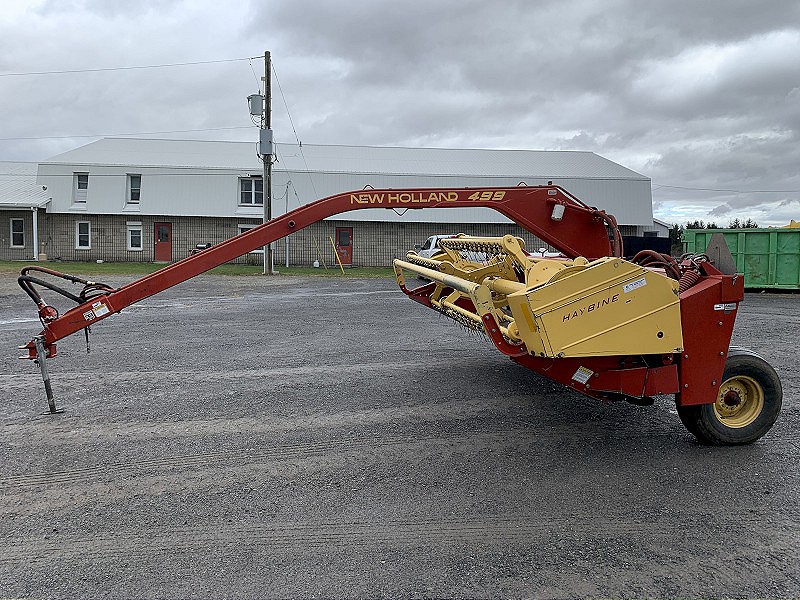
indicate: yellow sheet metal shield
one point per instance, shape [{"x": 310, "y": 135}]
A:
[
  {"x": 558, "y": 308},
  {"x": 610, "y": 307}
]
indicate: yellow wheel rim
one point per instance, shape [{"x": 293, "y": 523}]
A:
[{"x": 740, "y": 401}]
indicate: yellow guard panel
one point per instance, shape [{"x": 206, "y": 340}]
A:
[{"x": 610, "y": 307}]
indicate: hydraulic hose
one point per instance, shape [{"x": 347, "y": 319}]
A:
[
  {"x": 651, "y": 258},
  {"x": 90, "y": 289}
]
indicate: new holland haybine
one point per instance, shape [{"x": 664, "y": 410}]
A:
[{"x": 607, "y": 327}]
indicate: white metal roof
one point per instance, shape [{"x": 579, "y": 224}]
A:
[
  {"x": 349, "y": 159},
  {"x": 18, "y": 187},
  {"x": 316, "y": 171}
]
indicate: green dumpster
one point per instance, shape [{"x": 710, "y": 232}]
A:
[{"x": 768, "y": 257}]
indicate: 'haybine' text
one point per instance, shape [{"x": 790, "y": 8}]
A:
[{"x": 590, "y": 308}]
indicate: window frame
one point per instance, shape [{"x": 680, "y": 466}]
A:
[
  {"x": 78, "y": 235},
  {"x": 79, "y": 194},
  {"x": 129, "y": 193},
  {"x": 130, "y": 227},
  {"x": 242, "y": 227},
  {"x": 12, "y": 232},
  {"x": 253, "y": 193}
]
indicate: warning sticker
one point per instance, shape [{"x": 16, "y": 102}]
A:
[
  {"x": 634, "y": 285},
  {"x": 100, "y": 309},
  {"x": 582, "y": 375},
  {"x": 88, "y": 315},
  {"x": 727, "y": 307}
]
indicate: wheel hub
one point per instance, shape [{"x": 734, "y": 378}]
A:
[
  {"x": 732, "y": 399},
  {"x": 740, "y": 401}
]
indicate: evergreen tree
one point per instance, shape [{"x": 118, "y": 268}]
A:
[
  {"x": 701, "y": 225},
  {"x": 675, "y": 239},
  {"x": 737, "y": 224}
]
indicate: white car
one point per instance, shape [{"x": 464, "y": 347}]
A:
[{"x": 431, "y": 245}]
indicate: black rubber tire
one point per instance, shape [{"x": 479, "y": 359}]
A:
[
  {"x": 688, "y": 417},
  {"x": 703, "y": 421}
]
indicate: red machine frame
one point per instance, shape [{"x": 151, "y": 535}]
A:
[{"x": 708, "y": 308}]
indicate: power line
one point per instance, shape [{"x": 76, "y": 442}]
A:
[
  {"x": 296, "y": 137},
  {"x": 258, "y": 83},
  {"x": 286, "y": 105},
  {"x": 131, "y": 68}
]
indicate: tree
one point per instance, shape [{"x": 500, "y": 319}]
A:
[
  {"x": 749, "y": 224},
  {"x": 675, "y": 239},
  {"x": 701, "y": 225},
  {"x": 737, "y": 224}
]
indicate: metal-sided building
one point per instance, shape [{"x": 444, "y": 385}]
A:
[
  {"x": 21, "y": 203},
  {"x": 145, "y": 200}
]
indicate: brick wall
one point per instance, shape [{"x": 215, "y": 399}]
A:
[
  {"x": 375, "y": 244},
  {"x": 109, "y": 236},
  {"x": 6, "y": 251}
]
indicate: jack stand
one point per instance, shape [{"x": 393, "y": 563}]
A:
[{"x": 41, "y": 359}]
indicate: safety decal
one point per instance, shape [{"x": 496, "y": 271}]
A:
[
  {"x": 582, "y": 375},
  {"x": 88, "y": 315},
  {"x": 727, "y": 307},
  {"x": 100, "y": 309},
  {"x": 634, "y": 285}
]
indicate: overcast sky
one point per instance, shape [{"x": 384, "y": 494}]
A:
[{"x": 701, "y": 96}]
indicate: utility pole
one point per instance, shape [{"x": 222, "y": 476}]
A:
[{"x": 266, "y": 155}]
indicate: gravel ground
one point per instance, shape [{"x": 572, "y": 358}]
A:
[{"x": 309, "y": 437}]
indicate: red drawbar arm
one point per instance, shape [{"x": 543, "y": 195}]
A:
[{"x": 579, "y": 231}]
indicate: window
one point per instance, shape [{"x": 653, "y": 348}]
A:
[
  {"x": 134, "y": 188},
  {"x": 83, "y": 235},
  {"x": 134, "y": 235},
  {"x": 247, "y": 227},
  {"x": 80, "y": 188},
  {"x": 251, "y": 191},
  {"x": 17, "y": 233}
]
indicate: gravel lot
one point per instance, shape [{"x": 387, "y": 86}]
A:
[{"x": 250, "y": 437}]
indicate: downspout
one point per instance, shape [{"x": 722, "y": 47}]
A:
[{"x": 35, "y": 211}]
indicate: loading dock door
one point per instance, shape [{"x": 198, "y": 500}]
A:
[
  {"x": 163, "y": 242},
  {"x": 344, "y": 244}
]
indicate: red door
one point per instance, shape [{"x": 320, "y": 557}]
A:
[
  {"x": 344, "y": 244},
  {"x": 163, "y": 242}
]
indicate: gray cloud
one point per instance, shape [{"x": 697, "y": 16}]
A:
[{"x": 721, "y": 210}]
